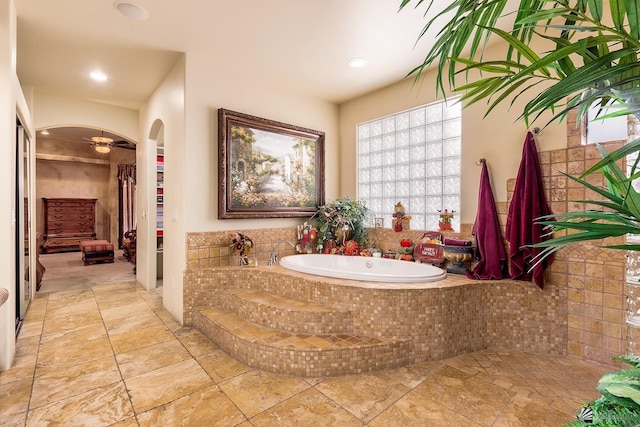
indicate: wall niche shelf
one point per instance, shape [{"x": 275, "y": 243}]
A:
[{"x": 159, "y": 209}]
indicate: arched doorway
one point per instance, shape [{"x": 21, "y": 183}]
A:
[{"x": 79, "y": 162}]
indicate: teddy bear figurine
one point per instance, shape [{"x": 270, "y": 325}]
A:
[{"x": 405, "y": 250}]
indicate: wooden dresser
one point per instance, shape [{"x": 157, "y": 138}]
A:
[{"x": 67, "y": 222}]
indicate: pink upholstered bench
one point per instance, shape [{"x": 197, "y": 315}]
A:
[{"x": 96, "y": 251}]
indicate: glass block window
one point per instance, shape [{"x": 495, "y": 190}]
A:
[
  {"x": 611, "y": 129},
  {"x": 412, "y": 157}
]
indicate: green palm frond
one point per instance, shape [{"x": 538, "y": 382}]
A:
[
  {"x": 594, "y": 62},
  {"x": 608, "y": 54}
]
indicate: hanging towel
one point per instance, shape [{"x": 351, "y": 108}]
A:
[
  {"x": 490, "y": 250},
  {"x": 528, "y": 204}
]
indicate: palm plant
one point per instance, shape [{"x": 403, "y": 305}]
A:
[{"x": 594, "y": 62}]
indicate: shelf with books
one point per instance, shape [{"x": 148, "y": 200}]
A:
[{"x": 160, "y": 198}]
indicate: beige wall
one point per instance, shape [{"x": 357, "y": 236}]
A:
[
  {"x": 56, "y": 179},
  {"x": 93, "y": 177},
  {"x": 497, "y": 138},
  {"x": 187, "y": 104},
  {"x": 162, "y": 122},
  {"x": 210, "y": 86},
  {"x": 9, "y": 89},
  {"x": 55, "y": 111}
]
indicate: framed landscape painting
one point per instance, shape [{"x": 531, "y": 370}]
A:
[{"x": 268, "y": 169}]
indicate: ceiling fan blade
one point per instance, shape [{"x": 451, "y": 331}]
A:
[{"x": 123, "y": 144}]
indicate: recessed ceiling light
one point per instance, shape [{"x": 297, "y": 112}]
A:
[
  {"x": 358, "y": 62},
  {"x": 44, "y": 132},
  {"x": 131, "y": 10},
  {"x": 98, "y": 76}
]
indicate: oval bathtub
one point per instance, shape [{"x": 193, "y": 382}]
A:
[{"x": 363, "y": 268}]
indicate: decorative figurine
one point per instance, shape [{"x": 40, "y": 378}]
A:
[
  {"x": 405, "y": 250},
  {"x": 400, "y": 218},
  {"x": 307, "y": 237},
  {"x": 330, "y": 247},
  {"x": 241, "y": 245},
  {"x": 445, "y": 220},
  {"x": 430, "y": 249}
]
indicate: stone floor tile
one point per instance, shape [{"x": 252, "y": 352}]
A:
[
  {"x": 73, "y": 336},
  {"x": 99, "y": 407},
  {"x": 132, "y": 323},
  {"x": 365, "y": 396},
  {"x": 36, "y": 310},
  {"x": 18, "y": 419},
  {"x": 85, "y": 306},
  {"x": 139, "y": 338},
  {"x": 206, "y": 407},
  {"x": 474, "y": 398},
  {"x": 147, "y": 359},
  {"x": 417, "y": 408},
  {"x": 129, "y": 422},
  {"x": 67, "y": 382},
  {"x": 256, "y": 391},
  {"x": 30, "y": 329},
  {"x": 118, "y": 299},
  {"x": 56, "y": 324},
  {"x": 23, "y": 368},
  {"x": 14, "y": 397},
  {"x": 220, "y": 366},
  {"x": 133, "y": 309},
  {"x": 52, "y": 359},
  {"x": 27, "y": 346},
  {"x": 166, "y": 384},
  {"x": 524, "y": 412},
  {"x": 412, "y": 375},
  {"x": 67, "y": 298},
  {"x": 309, "y": 408},
  {"x": 168, "y": 320},
  {"x": 195, "y": 342}
]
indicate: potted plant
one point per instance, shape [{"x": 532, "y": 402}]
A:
[
  {"x": 595, "y": 62},
  {"x": 342, "y": 220}
]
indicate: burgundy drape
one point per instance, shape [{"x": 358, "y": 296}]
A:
[
  {"x": 528, "y": 204},
  {"x": 492, "y": 256}
]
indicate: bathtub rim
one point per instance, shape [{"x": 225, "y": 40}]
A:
[{"x": 390, "y": 282}]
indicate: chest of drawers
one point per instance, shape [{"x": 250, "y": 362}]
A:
[{"x": 67, "y": 222}]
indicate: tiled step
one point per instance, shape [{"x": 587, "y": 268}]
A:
[
  {"x": 290, "y": 353},
  {"x": 279, "y": 312}
]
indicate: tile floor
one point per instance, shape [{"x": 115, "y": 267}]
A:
[{"x": 111, "y": 355}]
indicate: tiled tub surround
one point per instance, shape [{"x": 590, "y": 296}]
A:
[
  {"x": 369, "y": 326},
  {"x": 212, "y": 249},
  {"x": 587, "y": 279}
]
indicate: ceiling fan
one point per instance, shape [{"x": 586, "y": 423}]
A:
[{"x": 103, "y": 144}]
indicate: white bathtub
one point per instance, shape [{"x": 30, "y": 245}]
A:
[{"x": 363, "y": 268}]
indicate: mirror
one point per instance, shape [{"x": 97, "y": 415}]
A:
[{"x": 23, "y": 282}]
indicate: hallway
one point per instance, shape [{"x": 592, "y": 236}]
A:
[{"x": 110, "y": 354}]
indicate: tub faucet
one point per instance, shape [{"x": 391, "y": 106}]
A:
[{"x": 273, "y": 259}]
